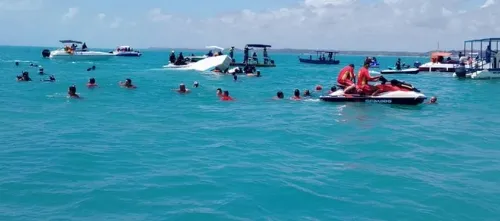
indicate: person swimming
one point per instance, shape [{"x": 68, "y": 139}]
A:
[
  {"x": 235, "y": 77},
  {"x": 17, "y": 63},
  {"x": 127, "y": 84},
  {"x": 226, "y": 97},
  {"x": 279, "y": 95},
  {"x": 51, "y": 79},
  {"x": 319, "y": 87},
  {"x": 91, "y": 83},
  {"x": 91, "y": 68},
  {"x": 257, "y": 74},
  {"x": 24, "y": 77},
  {"x": 219, "y": 92},
  {"x": 433, "y": 100},
  {"x": 40, "y": 71},
  {"x": 196, "y": 84},
  {"x": 296, "y": 95},
  {"x": 307, "y": 93},
  {"x": 72, "y": 92},
  {"x": 182, "y": 89}
]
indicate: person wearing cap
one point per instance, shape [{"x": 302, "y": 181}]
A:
[
  {"x": 363, "y": 79},
  {"x": 182, "y": 89},
  {"x": 196, "y": 84},
  {"x": 346, "y": 77}
]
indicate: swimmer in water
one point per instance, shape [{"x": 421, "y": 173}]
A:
[
  {"x": 254, "y": 75},
  {"x": 332, "y": 89},
  {"x": 296, "y": 95},
  {"x": 219, "y": 92},
  {"x": 51, "y": 79},
  {"x": 433, "y": 100},
  {"x": 319, "y": 88},
  {"x": 235, "y": 77},
  {"x": 24, "y": 77},
  {"x": 279, "y": 95},
  {"x": 40, "y": 71},
  {"x": 196, "y": 84},
  {"x": 226, "y": 97},
  {"x": 17, "y": 63},
  {"x": 91, "y": 83},
  {"x": 182, "y": 89},
  {"x": 127, "y": 84},
  {"x": 307, "y": 93},
  {"x": 72, "y": 92}
]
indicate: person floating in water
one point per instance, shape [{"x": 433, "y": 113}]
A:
[
  {"x": 40, "y": 71},
  {"x": 279, "y": 95},
  {"x": 219, "y": 92},
  {"x": 226, "y": 97},
  {"x": 91, "y": 68},
  {"x": 363, "y": 79},
  {"x": 307, "y": 93},
  {"x": 433, "y": 100},
  {"x": 24, "y": 77},
  {"x": 52, "y": 78},
  {"x": 254, "y": 75},
  {"x": 296, "y": 95},
  {"x": 235, "y": 77},
  {"x": 72, "y": 92},
  {"x": 346, "y": 78},
  {"x": 127, "y": 84},
  {"x": 91, "y": 83},
  {"x": 196, "y": 84},
  {"x": 319, "y": 88},
  {"x": 17, "y": 63},
  {"x": 182, "y": 89}
]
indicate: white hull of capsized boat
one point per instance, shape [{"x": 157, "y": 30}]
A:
[
  {"x": 82, "y": 55},
  {"x": 482, "y": 74},
  {"x": 221, "y": 62}
]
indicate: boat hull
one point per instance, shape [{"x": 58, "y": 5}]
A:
[
  {"x": 80, "y": 55},
  {"x": 327, "y": 62},
  {"x": 437, "y": 67},
  {"x": 260, "y": 65},
  {"x": 371, "y": 99},
  {"x": 404, "y": 71},
  {"x": 127, "y": 54}
]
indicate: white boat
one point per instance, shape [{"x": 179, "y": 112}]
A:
[
  {"x": 487, "y": 67},
  {"x": 195, "y": 58},
  {"x": 402, "y": 71},
  {"x": 220, "y": 62},
  {"x": 73, "y": 52},
  {"x": 126, "y": 51},
  {"x": 439, "y": 66}
]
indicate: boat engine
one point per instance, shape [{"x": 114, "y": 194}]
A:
[{"x": 46, "y": 53}]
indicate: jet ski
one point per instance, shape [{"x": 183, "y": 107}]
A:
[{"x": 395, "y": 92}]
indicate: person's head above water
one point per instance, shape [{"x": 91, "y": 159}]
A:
[
  {"x": 182, "y": 87},
  {"x": 351, "y": 65},
  {"x": 280, "y": 95},
  {"x": 307, "y": 93},
  {"x": 226, "y": 93},
  {"x": 296, "y": 93},
  {"x": 72, "y": 90},
  {"x": 433, "y": 100},
  {"x": 196, "y": 84},
  {"x": 219, "y": 91},
  {"x": 235, "y": 77},
  {"x": 92, "y": 81},
  {"x": 128, "y": 82}
]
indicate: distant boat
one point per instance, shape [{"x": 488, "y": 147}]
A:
[
  {"x": 126, "y": 51},
  {"x": 253, "y": 60},
  {"x": 321, "y": 59},
  {"x": 73, "y": 52}
]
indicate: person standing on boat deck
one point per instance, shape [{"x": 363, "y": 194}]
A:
[
  {"x": 84, "y": 47},
  {"x": 231, "y": 53},
  {"x": 398, "y": 64},
  {"x": 488, "y": 54},
  {"x": 210, "y": 54},
  {"x": 245, "y": 56},
  {"x": 172, "y": 57},
  {"x": 266, "y": 58},
  {"x": 254, "y": 56}
]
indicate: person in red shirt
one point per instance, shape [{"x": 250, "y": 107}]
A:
[
  {"x": 363, "y": 79},
  {"x": 226, "y": 97},
  {"x": 346, "y": 77}
]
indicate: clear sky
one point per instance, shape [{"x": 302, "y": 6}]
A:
[{"x": 393, "y": 25}]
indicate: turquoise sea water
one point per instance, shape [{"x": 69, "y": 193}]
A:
[{"x": 152, "y": 154}]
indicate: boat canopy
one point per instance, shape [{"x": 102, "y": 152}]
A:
[
  {"x": 333, "y": 52},
  {"x": 258, "y": 46},
  {"x": 215, "y": 47},
  {"x": 443, "y": 54},
  {"x": 70, "y": 42},
  {"x": 483, "y": 40}
]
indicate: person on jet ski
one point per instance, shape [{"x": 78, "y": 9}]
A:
[
  {"x": 398, "y": 64},
  {"x": 172, "y": 57},
  {"x": 363, "y": 78},
  {"x": 346, "y": 78},
  {"x": 180, "y": 60}
]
